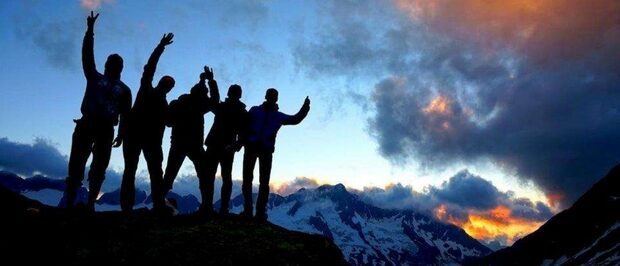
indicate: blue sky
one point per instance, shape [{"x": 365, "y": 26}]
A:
[
  {"x": 403, "y": 92},
  {"x": 249, "y": 43}
]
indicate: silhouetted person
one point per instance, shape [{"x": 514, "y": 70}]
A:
[
  {"x": 264, "y": 122},
  {"x": 222, "y": 143},
  {"x": 187, "y": 121},
  {"x": 145, "y": 130},
  {"x": 106, "y": 98}
]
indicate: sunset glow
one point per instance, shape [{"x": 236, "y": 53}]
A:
[
  {"x": 490, "y": 225},
  {"x": 439, "y": 105}
]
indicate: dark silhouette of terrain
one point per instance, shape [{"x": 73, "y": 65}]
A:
[
  {"x": 587, "y": 233},
  {"x": 35, "y": 233}
]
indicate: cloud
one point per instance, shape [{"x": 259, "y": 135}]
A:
[
  {"x": 470, "y": 202},
  {"x": 524, "y": 84},
  {"x": 287, "y": 188},
  {"x": 57, "y": 39},
  {"x": 468, "y": 191},
  {"x": 247, "y": 13},
  {"x": 94, "y": 4},
  {"x": 40, "y": 157}
]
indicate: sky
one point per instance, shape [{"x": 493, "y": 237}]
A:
[{"x": 491, "y": 115}]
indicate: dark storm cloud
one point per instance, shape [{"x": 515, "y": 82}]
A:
[
  {"x": 534, "y": 91},
  {"x": 468, "y": 191},
  {"x": 462, "y": 194},
  {"x": 27, "y": 159},
  {"x": 44, "y": 158},
  {"x": 397, "y": 196}
]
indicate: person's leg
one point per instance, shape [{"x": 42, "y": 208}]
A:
[
  {"x": 131, "y": 154},
  {"x": 154, "y": 157},
  {"x": 249, "y": 161},
  {"x": 198, "y": 157},
  {"x": 81, "y": 147},
  {"x": 226, "y": 161},
  {"x": 176, "y": 156},
  {"x": 102, "y": 149},
  {"x": 265, "y": 159}
]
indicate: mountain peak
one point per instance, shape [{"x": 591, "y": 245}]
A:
[{"x": 337, "y": 188}]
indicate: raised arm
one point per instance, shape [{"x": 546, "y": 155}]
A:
[
  {"x": 299, "y": 116},
  {"x": 214, "y": 90},
  {"x": 151, "y": 65},
  {"x": 200, "y": 90},
  {"x": 88, "y": 54}
]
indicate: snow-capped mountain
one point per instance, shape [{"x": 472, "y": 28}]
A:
[
  {"x": 367, "y": 234},
  {"x": 49, "y": 191}
]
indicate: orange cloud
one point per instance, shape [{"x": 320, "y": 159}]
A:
[
  {"x": 289, "y": 187},
  {"x": 439, "y": 105},
  {"x": 94, "y": 4},
  {"x": 554, "y": 199},
  {"x": 542, "y": 29},
  {"x": 491, "y": 225}
]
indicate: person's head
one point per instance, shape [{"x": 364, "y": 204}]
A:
[
  {"x": 197, "y": 90},
  {"x": 234, "y": 92},
  {"x": 271, "y": 96},
  {"x": 166, "y": 83},
  {"x": 114, "y": 66}
]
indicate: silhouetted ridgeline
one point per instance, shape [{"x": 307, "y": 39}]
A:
[
  {"x": 32, "y": 232},
  {"x": 588, "y": 233}
]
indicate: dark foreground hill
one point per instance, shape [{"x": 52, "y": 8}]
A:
[
  {"x": 31, "y": 232},
  {"x": 587, "y": 233}
]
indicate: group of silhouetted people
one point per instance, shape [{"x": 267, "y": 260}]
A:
[{"x": 107, "y": 102}]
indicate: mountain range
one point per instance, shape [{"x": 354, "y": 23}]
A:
[
  {"x": 587, "y": 233},
  {"x": 366, "y": 234}
]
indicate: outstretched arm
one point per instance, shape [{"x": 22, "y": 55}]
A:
[
  {"x": 299, "y": 116},
  {"x": 151, "y": 65},
  {"x": 88, "y": 55}
]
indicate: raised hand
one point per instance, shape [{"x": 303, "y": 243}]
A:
[
  {"x": 166, "y": 39},
  {"x": 90, "y": 20},
  {"x": 208, "y": 73},
  {"x": 307, "y": 101}
]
